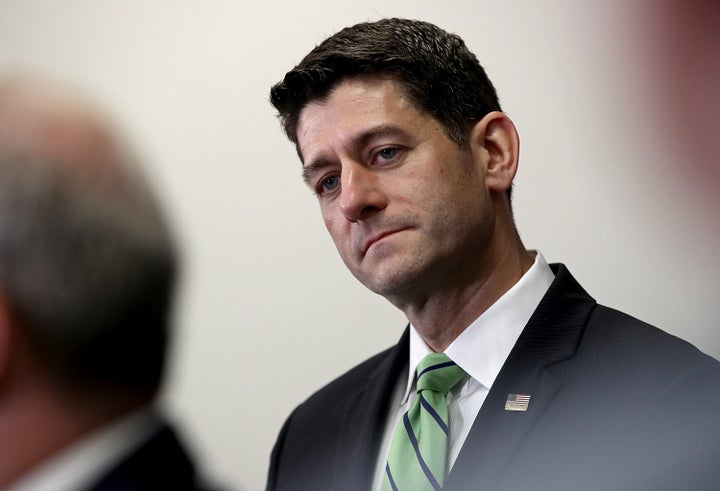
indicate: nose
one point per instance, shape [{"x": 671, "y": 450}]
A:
[{"x": 361, "y": 195}]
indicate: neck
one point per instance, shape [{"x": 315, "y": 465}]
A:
[
  {"x": 38, "y": 423},
  {"x": 443, "y": 315}
]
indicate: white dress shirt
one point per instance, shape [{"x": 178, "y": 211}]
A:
[
  {"x": 85, "y": 462},
  {"x": 480, "y": 350}
]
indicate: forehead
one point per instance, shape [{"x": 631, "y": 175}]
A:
[{"x": 355, "y": 105}]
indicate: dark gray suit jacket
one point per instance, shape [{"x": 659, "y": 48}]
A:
[
  {"x": 615, "y": 404},
  {"x": 161, "y": 463}
]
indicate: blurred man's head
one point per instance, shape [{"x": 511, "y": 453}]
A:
[
  {"x": 87, "y": 265},
  {"x": 87, "y": 273}
]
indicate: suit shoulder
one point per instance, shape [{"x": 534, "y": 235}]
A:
[
  {"x": 162, "y": 462},
  {"x": 348, "y": 382},
  {"x": 650, "y": 346},
  {"x": 310, "y": 437}
]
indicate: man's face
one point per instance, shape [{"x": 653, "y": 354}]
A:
[{"x": 408, "y": 210}]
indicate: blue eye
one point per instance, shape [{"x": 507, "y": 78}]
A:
[
  {"x": 388, "y": 153},
  {"x": 329, "y": 183}
]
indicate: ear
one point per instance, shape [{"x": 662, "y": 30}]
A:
[{"x": 496, "y": 140}]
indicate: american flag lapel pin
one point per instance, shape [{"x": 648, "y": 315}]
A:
[{"x": 517, "y": 402}]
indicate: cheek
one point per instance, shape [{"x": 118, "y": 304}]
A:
[
  {"x": 338, "y": 230},
  {"x": 415, "y": 187}
]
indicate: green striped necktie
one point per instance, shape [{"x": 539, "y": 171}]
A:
[{"x": 418, "y": 455}]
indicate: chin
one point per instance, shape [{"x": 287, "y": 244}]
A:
[{"x": 390, "y": 282}]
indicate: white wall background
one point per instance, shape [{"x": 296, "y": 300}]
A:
[{"x": 268, "y": 313}]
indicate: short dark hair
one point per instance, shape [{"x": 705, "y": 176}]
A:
[
  {"x": 434, "y": 68},
  {"x": 88, "y": 265}
]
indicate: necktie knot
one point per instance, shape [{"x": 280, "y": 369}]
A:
[
  {"x": 437, "y": 372},
  {"x": 418, "y": 455}
]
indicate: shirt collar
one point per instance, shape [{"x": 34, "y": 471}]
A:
[
  {"x": 78, "y": 466},
  {"x": 482, "y": 348}
]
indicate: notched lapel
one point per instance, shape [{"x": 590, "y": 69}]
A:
[
  {"x": 364, "y": 419},
  {"x": 497, "y": 434},
  {"x": 551, "y": 335}
]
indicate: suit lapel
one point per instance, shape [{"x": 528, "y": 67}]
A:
[
  {"x": 364, "y": 418},
  {"x": 496, "y": 433},
  {"x": 551, "y": 335}
]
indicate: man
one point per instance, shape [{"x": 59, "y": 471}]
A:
[
  {"x": 403, "y": 141},
  {"x": 87, "y": 273}
]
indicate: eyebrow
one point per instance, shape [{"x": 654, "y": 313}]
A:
[
  {"x": 314, "y": 167},
  {"x": 358, "y": 141}
]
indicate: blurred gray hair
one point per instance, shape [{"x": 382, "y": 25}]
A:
[{"x": 88, "y": 264}]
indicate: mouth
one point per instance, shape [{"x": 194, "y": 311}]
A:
[{"x": 378, "y": 237}]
